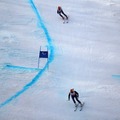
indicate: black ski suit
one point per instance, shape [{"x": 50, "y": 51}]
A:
[
  {"x": 74, "y": 95},
  {"x": 61, "y": 13}
]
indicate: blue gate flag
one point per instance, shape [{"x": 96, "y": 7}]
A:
[{"x": 43, "y": 54}]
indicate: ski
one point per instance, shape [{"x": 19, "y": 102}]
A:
[
  {"x": 82, "y": 106},
  {"x": 65, "y": 21},
  {"x": 76, "y": 107}
]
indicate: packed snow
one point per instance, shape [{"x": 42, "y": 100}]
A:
[{"x": 84, "y": 54}]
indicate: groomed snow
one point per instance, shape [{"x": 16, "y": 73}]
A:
[{"x": 83, "y": 54}]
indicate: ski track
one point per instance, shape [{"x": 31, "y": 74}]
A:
[{"x": 50, "y": 59}]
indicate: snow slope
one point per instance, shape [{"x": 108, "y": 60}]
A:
[{"x": 83, "y": 54}]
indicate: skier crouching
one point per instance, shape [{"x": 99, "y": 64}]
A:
[
  {"x": 61, "y": 13},
  {"x": 74, "y": 95}
]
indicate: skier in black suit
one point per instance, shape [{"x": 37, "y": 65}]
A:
[
  {"x": 74, "y": 95},
  {"x": 61, "y": 13}
]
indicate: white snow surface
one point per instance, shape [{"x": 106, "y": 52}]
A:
[{"x": 86, "y": 57}]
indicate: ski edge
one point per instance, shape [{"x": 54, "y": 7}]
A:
[{"x": 82, "y": 106}]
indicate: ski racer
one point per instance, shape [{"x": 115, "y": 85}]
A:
[
  {"x": 61, "y": 13},
  {"x": 74, "y": 95}
]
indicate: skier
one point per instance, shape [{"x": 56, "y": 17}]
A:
[
  {"x": 74, "y": 95},
  {"x": 61, "y": 13}
]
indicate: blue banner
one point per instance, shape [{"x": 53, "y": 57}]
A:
[{"x": 43, "y": 54}]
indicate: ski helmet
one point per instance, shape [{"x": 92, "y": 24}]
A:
[
  {"x": 59, "y": 7},
  {"x": 72, "y": 90}
]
